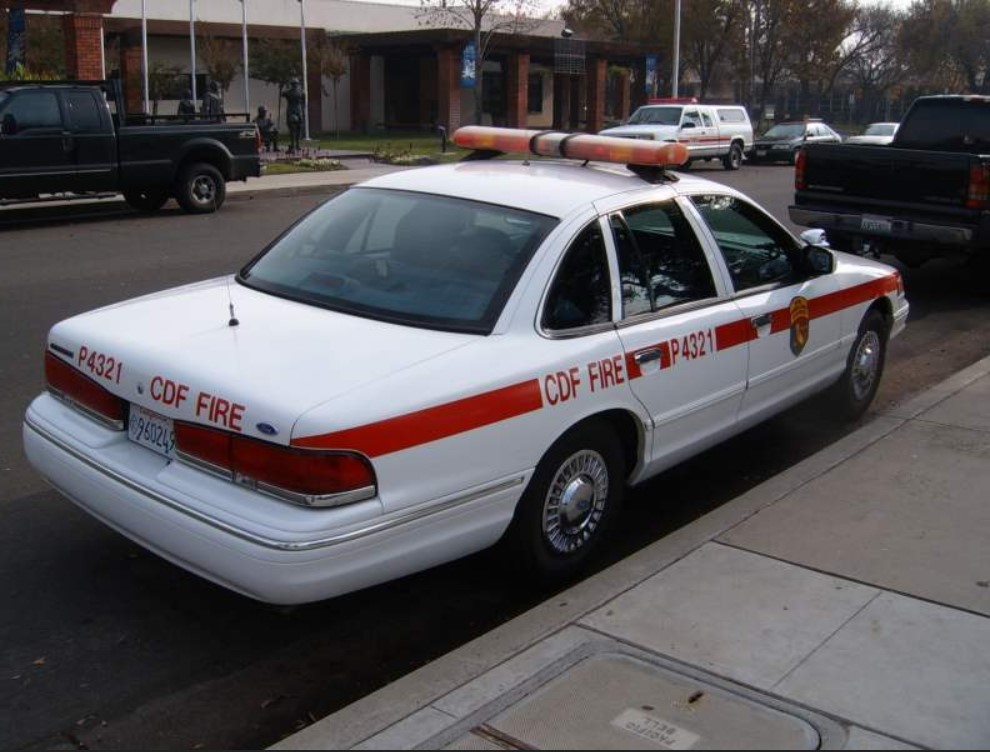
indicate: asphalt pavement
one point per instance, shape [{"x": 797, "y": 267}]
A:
[{"x": 844, "y": 603}]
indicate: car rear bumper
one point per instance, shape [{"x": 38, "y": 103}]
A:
[
  {"x": 870, "y": 226},
  {"x": 263, "y": 548}
]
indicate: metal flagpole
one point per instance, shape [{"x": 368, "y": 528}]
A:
[
  {"x": 305, "y": 81},
  {"x": 677, "y": 44},
  {"x": 244, "y": 45},
  {"x": 192, "y": 50},
  {"x": 144, "y": 54}
]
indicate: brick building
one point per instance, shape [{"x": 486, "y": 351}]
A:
[{"x": 404, "y": 68}]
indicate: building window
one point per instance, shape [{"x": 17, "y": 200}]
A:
[{"x": 534, "y": 92}]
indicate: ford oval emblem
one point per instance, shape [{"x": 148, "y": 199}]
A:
[{"x": 267, "y": 428}]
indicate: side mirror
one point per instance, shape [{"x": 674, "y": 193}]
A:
[
  {"x": 8, "y": 127},
  {"x": 818, "y": 261}
]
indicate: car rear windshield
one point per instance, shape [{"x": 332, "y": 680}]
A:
[
  {"x": 656, "y": 116},
  {"x": 947, "y": 125},
  {"x": 786, "y": 130},
  {"x": 411, "y": 258}
]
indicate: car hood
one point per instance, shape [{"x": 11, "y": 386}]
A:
[
  {"x": 179, "y": 356},
  {"x": 643, "y": 130},
  {"x": 763, "y": 140},
  {"x": 873, "y": 140}
]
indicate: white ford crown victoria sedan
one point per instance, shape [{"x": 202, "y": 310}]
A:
[{"x": 443, "y": 358}]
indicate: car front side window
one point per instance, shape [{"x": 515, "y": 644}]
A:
[{"x": 757, "y": 251}]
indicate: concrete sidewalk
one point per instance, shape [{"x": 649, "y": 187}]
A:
[
  {"x": 842, "y": 604},
  {"x": 309, "y": 182}
]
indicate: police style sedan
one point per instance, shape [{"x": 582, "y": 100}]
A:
[{"x": 445, "y": 358}]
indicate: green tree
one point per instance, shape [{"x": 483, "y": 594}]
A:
[
  {"x": 332, "y": 59},
  {"x": 222, "y": 58},
  {"x": 161, "y": 82},
  {"x": 817, "y": 55},
  {"x": 710, "y": 30},
  {"x": 277, "y": 62},
  {"x": 876, "y": 62}
]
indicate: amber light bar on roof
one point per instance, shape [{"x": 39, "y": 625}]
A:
[{"x": 628, "y": 151}]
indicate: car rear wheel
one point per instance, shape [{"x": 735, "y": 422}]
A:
[
  {"x": 734, "y": 159},
  {"x": 855, "y": 390},
  {"x": 569, "y": 505},
  {"x": 146, "y": 200},
  {"x": 200, "y": 189}
]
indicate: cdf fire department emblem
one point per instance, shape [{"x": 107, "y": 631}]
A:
[{"x": 800, "y": 324}]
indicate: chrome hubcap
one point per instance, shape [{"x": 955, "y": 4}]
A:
[
  {"x": 575, "y": 501},
  {"x": 204, "y": 189},
  {"x": 865, "y": 365}
]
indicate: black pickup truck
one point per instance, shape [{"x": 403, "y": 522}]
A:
[
  {"x": 74, "y": 139},
  {"x": 925, "y": 195}
]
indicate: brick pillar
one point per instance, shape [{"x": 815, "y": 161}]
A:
[
  {"x": 624, "y": 110},
  {"x": 314, "y": 83},
  {"x": 449, "y": 88},
  {"x": 518, "y": 89},
  {"x": 83, "y": 45},
  {"x": 595, "y": 118},
  {"x": 361, "y": 92},
  {"x": 131, "y": 78}
]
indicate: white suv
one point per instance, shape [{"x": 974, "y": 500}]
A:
[{"x": 709, "y": 131}]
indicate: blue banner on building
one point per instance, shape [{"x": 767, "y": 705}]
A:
[
  {"x": 16, "y": 39},
  {"x": 468, "y": 61},
  {"x": 651, "y": 76}
]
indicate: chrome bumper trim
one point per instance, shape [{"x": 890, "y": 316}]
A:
[
  {"x": 851, "y": 223},
  {"x": 260, "y": 540}
]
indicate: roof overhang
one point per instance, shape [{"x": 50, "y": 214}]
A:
[{"x": 62, "y": 6}]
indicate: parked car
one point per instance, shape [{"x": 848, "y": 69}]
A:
[
  {"x": 62, "y": 139},
  {"x": 876, "y": 134},
  {"x": 445, "y": 358},
  {"x": 709, "y": 131},
  {"x": 784, "y": 140},
  {"x": 923, "y": 196}
]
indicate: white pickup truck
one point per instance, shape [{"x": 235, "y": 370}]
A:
[{"x": 709, "y": 131}]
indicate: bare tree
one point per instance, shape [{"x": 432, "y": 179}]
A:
[
  {"x": 276, "y": 61},
  {"x": 161, "y": 82},
  {"x": 709, "y": 31},
  {"x": 817, "y": 55},
  {"x": 485, "y": 19},
  {"x": 332, "y": 58},
  {"x": 222, "y": 58}
]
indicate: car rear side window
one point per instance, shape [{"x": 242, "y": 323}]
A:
[
  {"x": 756, "y": 249},
  {"x": 581, "y": 293},
  {"x": 661, "y": 262},
  {"x": 412, "y": 258},
  {"x": 81, "y": 112}
]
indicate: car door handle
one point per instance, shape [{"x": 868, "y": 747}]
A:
[
  {"x": 68, "y": 142},
  {"x": 647, "y": 356},
  {"x": 760, "y": 321}
]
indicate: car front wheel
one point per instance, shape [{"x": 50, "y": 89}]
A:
[
  {"x": 200, "y": 189},
  {"x": 569, "y": 505},
  {"x": 855, "y": 390}
]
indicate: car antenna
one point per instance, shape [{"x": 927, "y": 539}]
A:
[{"x": 230, "y": 302}]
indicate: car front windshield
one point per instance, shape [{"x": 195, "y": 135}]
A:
[
  {"x": 786, "y": 130},
  {"x": 656, "y": 116},
  {"x": 411, "y": 258}
]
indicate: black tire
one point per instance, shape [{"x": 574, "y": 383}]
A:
[
  {"x": 734, "y": 159},
  {"x": 852, "y": 394},
  {"x": 146, "y": 200},
  {"x": 200, "y": 188},
  {"x": 569, "y": 506}
]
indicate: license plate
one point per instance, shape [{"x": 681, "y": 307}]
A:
[
  {"x": 876, "y": 224},
  {"x": 151, "y": 430},
  {"x": 761, "y": 152}
]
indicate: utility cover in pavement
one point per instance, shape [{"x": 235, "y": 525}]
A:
[{"x": 615, "y": 701}]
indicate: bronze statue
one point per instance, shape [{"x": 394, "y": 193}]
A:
[
  {"x": 212, "y": 102},
  {"x": 186, "y": 104},
  {"x": 266, "y": 126},
  {"x": 295, "y": 112}
]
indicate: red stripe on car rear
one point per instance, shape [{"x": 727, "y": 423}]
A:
[{"x": 432, "y": 423}]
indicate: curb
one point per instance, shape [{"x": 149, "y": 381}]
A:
[{"x": 402, "y": 698}]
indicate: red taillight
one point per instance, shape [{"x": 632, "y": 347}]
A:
[
  {"x": 978, "y": 192},
  {"x": 72, "y": 386},
  {"x": 799, "y": 166},
  {"x": 314, "y": 478}
]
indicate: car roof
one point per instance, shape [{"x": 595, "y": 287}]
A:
[{"x": 552, "y": 187}]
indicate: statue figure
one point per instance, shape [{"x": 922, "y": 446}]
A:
[
  {"x": 266, "y": 126},
  {"x": 295, "y": 112},
  {"x": 186, "y": 104},
  {"x": 213, "y": 103}
]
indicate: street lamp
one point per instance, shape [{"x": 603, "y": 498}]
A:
[
  {"x": 305, "y": 77},
  {"x": 677, "y": 45},
  {"x": 144, "y": 54}
]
